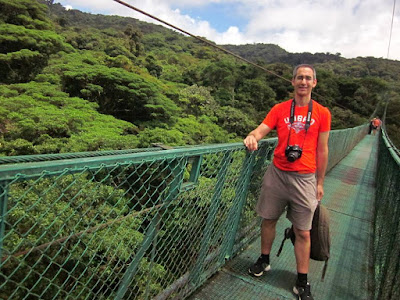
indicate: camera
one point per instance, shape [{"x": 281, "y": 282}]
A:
[{"x": 293, "y": 152}]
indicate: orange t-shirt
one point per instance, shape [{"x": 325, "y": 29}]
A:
[
  {"x": 376, "y": 122},
  {"x": 278, "y": 118}
]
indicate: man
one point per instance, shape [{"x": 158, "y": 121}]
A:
[
  {"x": 294, "y": 181},
  {"x": 376, "y": 123}
]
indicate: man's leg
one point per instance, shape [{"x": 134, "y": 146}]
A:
[
  {"x": 268, "y": 229},
  {"x": 300, "y": 213},
  {"x": 302, "y": 248},
  {"x": 267, "y": 238}
]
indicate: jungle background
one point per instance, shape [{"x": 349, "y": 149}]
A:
[{"x": 72, "y": 81}]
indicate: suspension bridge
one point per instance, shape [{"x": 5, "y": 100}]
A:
[{"x": 180, "y": 224}]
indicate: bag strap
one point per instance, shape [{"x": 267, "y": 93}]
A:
[
  {"x": 286, "y": 236},
  {"x": 324, "y": 270}
]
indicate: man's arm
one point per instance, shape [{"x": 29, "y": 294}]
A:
[
  {"x": 322, "y": 162},
  {"x": 251, "y": 141}
]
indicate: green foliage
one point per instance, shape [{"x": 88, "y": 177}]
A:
[
  {"x": 20, "y": 66},
  {"x": 254, "y": 93},
  {"x": 197, "y": 101},
  {"x": 24, "y": 43},
  {"x": 15, "y": 37},
  {"x": 393, "y": 132},
  {"x": 170, "y": 137},
  {"x": 269, "y": 53},
  {"x": 134, "y": 36},
  {"x": 109, "y": 41},
  {"x": 38, "y": 118},
  {"x": 355, "y": 92},
  {"x": 152, "y": 66},
  {"x": 282, "y": 89},
  {"x": 27, "y": 13},
  {"x": 220, "y": 74},
  {"x": 328, "y": 87},
  {"x": 344, "y": 118},
  {"x": 125, "y": 95},
  {"x": 234, "y": 120},
  {"x": 186, "y": 131},
  {"x": 202, "y": 131}
]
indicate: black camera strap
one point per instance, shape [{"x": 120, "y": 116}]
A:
[{"x": 308, "y": 120}]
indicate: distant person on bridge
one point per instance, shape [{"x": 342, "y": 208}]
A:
[
  {"x": 294, "y": 181},
  {"x": 375, "y": 125}
]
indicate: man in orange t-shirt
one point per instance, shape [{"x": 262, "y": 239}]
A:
[
  {"x": 294, "y": 180},
  {"x": 376, "y": 123}
]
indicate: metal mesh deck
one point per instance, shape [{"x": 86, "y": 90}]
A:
[{"x": 349, "y": 196}]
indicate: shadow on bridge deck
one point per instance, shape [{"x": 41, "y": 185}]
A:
[{"x": 349, "y": 196}]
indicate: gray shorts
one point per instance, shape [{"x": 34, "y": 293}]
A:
[{"x": 288, "y": 190}]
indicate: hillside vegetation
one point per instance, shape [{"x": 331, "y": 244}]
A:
[{"x": 72, "y": 81}]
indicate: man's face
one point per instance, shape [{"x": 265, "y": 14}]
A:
[{"x": 304, "y": 82}]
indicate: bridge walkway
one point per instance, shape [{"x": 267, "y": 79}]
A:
[{"x": 349, "y": 196}]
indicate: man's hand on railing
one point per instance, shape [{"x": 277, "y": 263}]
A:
[{"x": 251, "y": 142}]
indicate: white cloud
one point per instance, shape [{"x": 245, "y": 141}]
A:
[
  {"x": 351, "y": 27},
  {"x": 354, "y": 29}
]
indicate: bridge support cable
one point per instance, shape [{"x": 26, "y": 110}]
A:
[{"x": 391, "y": 28}]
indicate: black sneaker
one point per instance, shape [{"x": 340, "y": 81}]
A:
[
  {"x": 259, "y": 268},
  {"x": 303, "y": 292}
]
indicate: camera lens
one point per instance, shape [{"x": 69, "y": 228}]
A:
[
  {"x": 293, "y": 152},
  {"x": 292, "y": 156}
]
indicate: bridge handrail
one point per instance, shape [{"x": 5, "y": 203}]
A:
[
  {"x": 394, "y": 151},
  {"x": 386, "y": 243}
]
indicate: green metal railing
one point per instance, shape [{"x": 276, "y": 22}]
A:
[
  {"x": 140, "y": 225},
  {"x": 386, "y": 248}
]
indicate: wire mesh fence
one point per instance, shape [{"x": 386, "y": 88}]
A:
[
  {"x": 133, "y": 226},
  {"x": 141, "y": 225},
  {"x": 386, "y": 246}
]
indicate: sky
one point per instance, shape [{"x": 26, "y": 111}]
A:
[{"x": 350, "y": 27}]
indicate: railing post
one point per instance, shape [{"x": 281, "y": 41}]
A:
[
  {"x": 177, "y": 167},
  {"x": 153, "y": 255},
  {"x": 3, "y": 212},
  {"x": 215, "y": 203}
]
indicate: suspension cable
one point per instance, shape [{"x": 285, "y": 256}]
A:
[{"x": 391, "y": 28}]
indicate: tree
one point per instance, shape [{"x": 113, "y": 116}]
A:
[
  {"x": 235, "y": 120},
  {"x": 153, "y": 67},
  {"x": 124, "y": 95},
  {"x": 257, "y": 93},
  {"x": 26, "y": 40},
  {"x": 26, "y": 13},
  {"x": 134, "y": 36},
  {"x": 202, "y": 131},
  {"x": 197, "y": 101}
]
